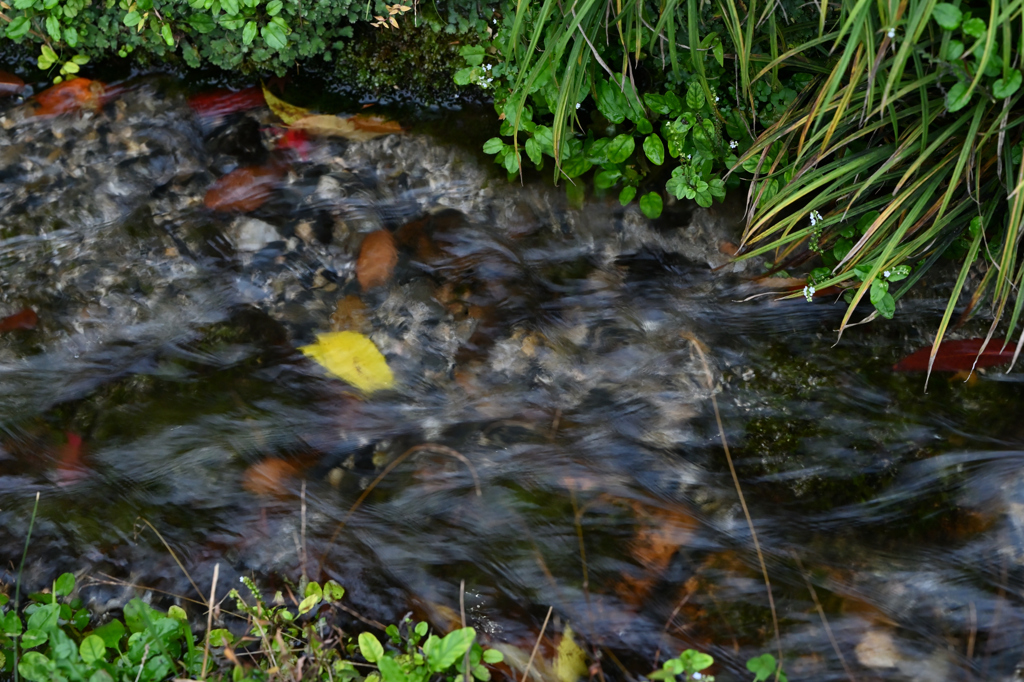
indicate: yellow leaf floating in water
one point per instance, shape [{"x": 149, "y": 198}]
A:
[
  {"x": 289, "y": 113},
  {"x": 352, "y": 357},
  {"x": 570, "y": 661},
  {"x": 358, "y": 128}
]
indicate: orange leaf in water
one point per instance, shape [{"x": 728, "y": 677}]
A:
[
  {"x": 378, "y": 257},
  {"x": 243, "y": 189},
  {"x": 23, "y": 319},
  {"x": 10, "y": 84},
  {"x": 78, "y": 93},
  {"x": 958, "y": 356},
  {"x": 270, "y": 477}
]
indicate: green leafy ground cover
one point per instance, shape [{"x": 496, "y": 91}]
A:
[
  {"x": 55, "y": 638},
  {"x": 253, "y": 36},
  {"x": 876, "y": 140}
]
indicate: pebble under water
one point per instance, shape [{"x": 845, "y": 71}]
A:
[{"x": 550, "y": 439}]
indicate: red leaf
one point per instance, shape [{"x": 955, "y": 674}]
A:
[
  {"x": 243, "y": 189},
  {"x": 213, "y": 106},
  {"x": 957, "y": 356},
  {"x": 23, "y": 319},
  {"x": 10, "y": 84},
  {"x": 295, "y": 141},
  {"x": 69, "y": 461}
]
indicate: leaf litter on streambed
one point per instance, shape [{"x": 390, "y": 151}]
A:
[{"x": 539, "y": 342}]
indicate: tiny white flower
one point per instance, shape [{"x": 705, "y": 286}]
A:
[
  {"x": 716, "y": 98},
  {"x": 733, "y": 144},
  {"x": 809, "y": 293},
  {"x": 487, "y": 67},
  {"x": 886, "y": 274},
  {"x": 577, "y": 105},
  {"x": 892, "y": 33}
]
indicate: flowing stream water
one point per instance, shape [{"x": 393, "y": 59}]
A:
[{"x": 551, "y": 440}]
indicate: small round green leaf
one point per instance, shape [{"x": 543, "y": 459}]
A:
[
  {"x": 92, "y": 649},
  {"x": 1006, "y": 87},
  {"x": 274, "y": 7},
  {"x": 974, "y": 27},
  {"x": 493, "y": 145},
  {"x": 695, "y": 661},
  {"x": 249, "y": 32},
  {"x": 370, "y": 647},
  {"x": 462, "y": 76},
  {"x": 202, "y": 23},
  {"x": 493, "y": 656},
  {"x": 18, "y": 28},
  {"x": 307, "y": 604},
  {"x": 606, "y": 178},
  {"x": 167, "y": 34},
  {"x": 533, "y": 151},
  {"x": 620, "y": 148},
  {"x": 33, "y": 638},
  {"x": 947, "y": 16},
  {"x": 651, "y": 205},
  {"x": 654, "y": 149},
  {"x": 958, "y": 97},
  {"x": 762, "y": 666},
  {"x": 274, "y": 36},
  {"x": 35, "y": 667},
  {"x": 132, "y": 19},
  {"x": 53, "y": 27},
  {"x": 694, "y": 96},
  {"x": 333, "y": 591},
  {"x": 644, "y": 127},
  {"x": 627, "y": 194}
]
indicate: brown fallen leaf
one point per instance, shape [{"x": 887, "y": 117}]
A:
[
  {"x": 378, "y": 257},
  {"x": 10, "y": 84},
  {"x": 78, "y": 93},
  {"x": 350, "y": 315},
  {"x": 270, "y": 477},
  {"x": 663, "y": 531},
  {"x": 25, "y": 318},
  {"x": 243, "y": 189},
  {"x": 358, "y": 128}
]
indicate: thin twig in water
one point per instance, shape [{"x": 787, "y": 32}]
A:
[
  {"x": 17, "y": 584},
  {"x": 209, "y": 616},
  {"x": 175, "y": 557},
  {"x": 668, "y": 621},
  {"x": 533, "y": 654},
  {"x": 739, "y": 491},
  {"x": 303, "y": 556},
  {"x": 462, "y": 614},
  {"x": 974, "y": 632},
  {"x": 824, "y": 620},
  {"x": 443, "y": 449}
]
